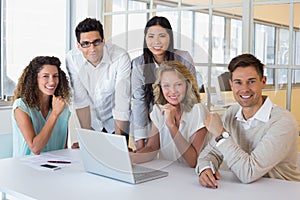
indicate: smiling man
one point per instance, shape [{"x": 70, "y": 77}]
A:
[
  {"x": 256, "y": 138},
  {"x": 100, "y": 78}
]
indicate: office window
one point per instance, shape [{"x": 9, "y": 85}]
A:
[
  {"x": 118, "y": 35},
  {"x": 136, "y": 25},
  {"x": 126, "y": 30},
  {"x": 283, "y": 54},
  {"x": 218, "y": 39},
  {"x": 296, "y": 73},
  {"x": 136, "y": 5},
  {"x": 265, "y": 41},
  {"x": 191, "y": 32},
  {"x": 283, "y": 51},
  {"x": 201, "y": 37},
  {"x": 297, "y": 58},
  {"x": 269, "y": 40},
  {"x": 31, "y": 28},
  {"x": 186, "y": 32},
  {"x": 235, "y": 47},
  {"x": 172, "y": 16},
  {"x": 297, "y": 48},
  {"x": 118, "y": 5},
  {"x": 296, "y": 76}
]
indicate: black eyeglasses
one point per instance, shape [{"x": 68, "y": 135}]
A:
[{"x": 86, "y": 44}]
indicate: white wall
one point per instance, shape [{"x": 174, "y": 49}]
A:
[{"x": 5, "y": 120}]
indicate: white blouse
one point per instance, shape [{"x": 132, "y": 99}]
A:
[{"x": 190, "y": 123}]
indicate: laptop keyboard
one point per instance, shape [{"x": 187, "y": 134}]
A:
[{"x": 141, "y": 173}]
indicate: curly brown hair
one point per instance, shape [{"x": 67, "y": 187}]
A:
[
  {"x": 27, "y": 84},
  {"x": 192, "y": 92}
]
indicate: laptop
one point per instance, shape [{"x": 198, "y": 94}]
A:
[{"x": 107, "y": 155}]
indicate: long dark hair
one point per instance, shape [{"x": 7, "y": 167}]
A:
[{"x": 148, "y": 56}]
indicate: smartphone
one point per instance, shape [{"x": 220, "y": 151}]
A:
[{"x": 52, "y": 167}]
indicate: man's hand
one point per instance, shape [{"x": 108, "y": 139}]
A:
[{"x": 208, "y": 179}]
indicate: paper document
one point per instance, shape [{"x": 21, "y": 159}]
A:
[{"x": 48, "y": 159}]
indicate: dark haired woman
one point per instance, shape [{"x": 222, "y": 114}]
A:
[
  {"x": 158, "y": 47},
  {"x": 40, "y": 113}
]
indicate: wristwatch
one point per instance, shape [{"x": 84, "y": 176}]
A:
[{"x": 224, "y": 135}]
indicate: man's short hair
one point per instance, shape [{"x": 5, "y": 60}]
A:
[
  {"x": 246, "y": 60},
  {"x": 87, "y": 25}
]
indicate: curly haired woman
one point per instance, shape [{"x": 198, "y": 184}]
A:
[{"x": 40, "y": 112}]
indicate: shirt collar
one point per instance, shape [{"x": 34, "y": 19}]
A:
[
  {"x": 263, "y": 114},
  {"x": 105, "y": 59}
]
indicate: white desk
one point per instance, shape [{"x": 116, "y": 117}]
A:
[{"x": 72, "y": 182}]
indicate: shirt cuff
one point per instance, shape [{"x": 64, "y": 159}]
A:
[
  {"x": 202, "y": 169},
  {"x": 141, "y": 133},
  {"x": 119, "y": 115},
  {"x": 220, "y": 142},
  {"x": 82, "y": 104}
]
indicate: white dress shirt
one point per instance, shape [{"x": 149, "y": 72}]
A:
[
  {"x": 105, "y": 88},
  {"x": 260, "y": 117}
]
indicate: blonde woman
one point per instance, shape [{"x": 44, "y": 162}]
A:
[
  {"x": 178, "y": 132},
  {"x": 158, "y": 47}
]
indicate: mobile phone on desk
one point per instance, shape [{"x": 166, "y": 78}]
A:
[{"x": 52, "y": 167}]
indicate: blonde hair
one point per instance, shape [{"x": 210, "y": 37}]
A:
[{"x": 192, "y": 95}]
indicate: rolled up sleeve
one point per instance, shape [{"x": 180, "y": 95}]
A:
[{"x": 121, "y": 110}]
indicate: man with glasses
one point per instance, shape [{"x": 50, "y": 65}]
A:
[{"x": 100, "y": 79}]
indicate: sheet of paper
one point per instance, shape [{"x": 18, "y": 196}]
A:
[{"x": 35, "y": 161}]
